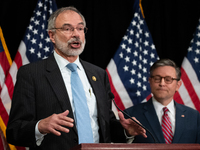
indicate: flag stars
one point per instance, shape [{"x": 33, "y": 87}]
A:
[
  {"x": 139, "y": 84},
  {"x": 130, "y": 41},
  {"x": 144, "y": 61},
  {"x": 45, "y": 8},
  {"x": 135, "y": 53},
  {"x": 152, "y": 55},
  {"x": 47, "y": 39},
  {"x": 131, "y": 32},
  {"x": 198, "y": 43},
  {"x": 127, "y": 59},
  {"x": 189, "y": 49},
  {"x": 138, "y": 93},
  {"x": 134, "y": 63},
  {"x": 33, "y": 41},
  {"x": 144, "y": 70},
  {"x": 38, "y": 13},
  {"x": 37, "y": 22},
  {"x": 134, "y": 23},
  {"x": 32, "y": 50},
  {"x": 39, "y": 55},
  {"x": 146, "y": 43},
  {"x": 125, "y": 37},
  {"x": 144, "y": 79},
  {"x": 197, "y": 51},
  {"x": 136, "y": 44},
  {"x": 146, "y": 34},
  {"x": 128, "y": 50},
  {"x": 198, "y": 34},
  {"x": 50, "y": 11},
  {"x": 141, "y": 22},
  {"x": 132, "y": 81},
  {"x": 32, "y": 19},
  {"x": 41, "y": 35},
  {"x": 28, "y": 36},
  {"x": 43, "y": 26},
  {"x": 40, "y": 4},
  {"x": 139, "y": 75},
  {"x": 144, "y": 88},
  {"x": 153, "y": 47},
  {"x": 125, "y": 68},
  {"x": 44, "y": 17},
  {"x": 30, "y": 27},
  {"x": 145, "y": 52},
  {"x": 133, "y": 71},
  {"x": 196, "y": 60},
  {"x": 35, "y": 31},
  {"x": 123, "y": 46},
  {"x": 137, "y": 35},
  {"x": 121, "y": 55},
  {"x": 40, "y": 45},
  {"x": 46, "y": 49}
]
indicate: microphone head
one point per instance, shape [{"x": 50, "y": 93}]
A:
[{"x": 111, "y": 95}]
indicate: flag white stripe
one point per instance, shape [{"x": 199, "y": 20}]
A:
[
  {"x": 185, "y": 96},
  {"x": 117, "y": 83},
  {"x": 192, "y": 76}
]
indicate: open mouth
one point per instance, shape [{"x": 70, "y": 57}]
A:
[{"x": 75, "y": 44}]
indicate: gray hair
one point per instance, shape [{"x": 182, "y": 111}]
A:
[
  {"x": 166, "y": 62},
  {"x": 52, "y": 18}
]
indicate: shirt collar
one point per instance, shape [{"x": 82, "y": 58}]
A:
[
  {"x": 62, "y": 62},
  {"x": 159, "y": 107}
]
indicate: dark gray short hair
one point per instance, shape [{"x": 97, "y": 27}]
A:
[
  {"x": 52, "y": 18},
  {"x": 166, "y": 62}
]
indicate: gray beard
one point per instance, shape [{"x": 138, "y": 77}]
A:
[{"x": 65, "y": 49}]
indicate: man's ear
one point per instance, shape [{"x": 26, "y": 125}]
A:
[
  {"x": 179, "y": 83},
  {"x": 51, "y": 36}
]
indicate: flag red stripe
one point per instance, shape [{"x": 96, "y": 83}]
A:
[
  {"x": 18, "y": 60},
  {"x": 113, "y": 90},
  {"x": 4, "y": 62},
  {"x": 190, "y": 89},
  {"x": 10, "y": 85},
  {"x": 3, "y": 112},
  {"x": 178, "y": 98}
]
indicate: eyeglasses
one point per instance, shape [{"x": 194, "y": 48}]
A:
[
  {"x": 69, "y": 29},
  {"x": 167, "y": 79}
]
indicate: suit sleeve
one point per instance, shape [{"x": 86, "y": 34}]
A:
[{"x": 21, "y": 125}]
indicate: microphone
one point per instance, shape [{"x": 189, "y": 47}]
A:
[{"x": 112, "y": 97}]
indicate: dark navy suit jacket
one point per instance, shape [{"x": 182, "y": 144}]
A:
[
  {"x": 187, "y": 123},
  {"x": 40, "y": 92}
]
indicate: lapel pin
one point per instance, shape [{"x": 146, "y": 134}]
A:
[
  {"x": 182, "y": 115},
  {"x": 94, "y": 78}
]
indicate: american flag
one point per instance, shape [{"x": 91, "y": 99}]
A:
[
  {"x": 189, "y": 92},
  {"x": 5, "y": 63},
  {"x": 128, "y": 70},
  {"x": 36, "y": 45}
]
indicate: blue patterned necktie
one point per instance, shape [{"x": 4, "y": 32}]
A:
[{"x": 83, "y": 122}]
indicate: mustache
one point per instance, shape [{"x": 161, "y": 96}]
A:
[{"x": 72, "y": 40}]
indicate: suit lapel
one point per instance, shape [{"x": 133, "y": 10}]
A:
[
  {"x": 150, "y": 114},
  {"x": 55, "y": 79},
  {"x": 180, "y": 122}
]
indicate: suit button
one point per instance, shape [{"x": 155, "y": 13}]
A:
[{"x": 75, "y": 140}]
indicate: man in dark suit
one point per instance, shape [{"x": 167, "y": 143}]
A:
[
  {"x": 43, "y": 113},
  {"x": 184, "y": 122}
]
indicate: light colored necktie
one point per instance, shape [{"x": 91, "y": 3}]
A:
[
  {"x": 83, "y": 122},
  {"x": 166, "y": 127}
]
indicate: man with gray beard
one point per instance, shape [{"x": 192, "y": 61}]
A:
[{"x": 44, "y": 113}]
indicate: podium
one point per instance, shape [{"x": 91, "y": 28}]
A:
[{"x": 136, "y": 146}]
